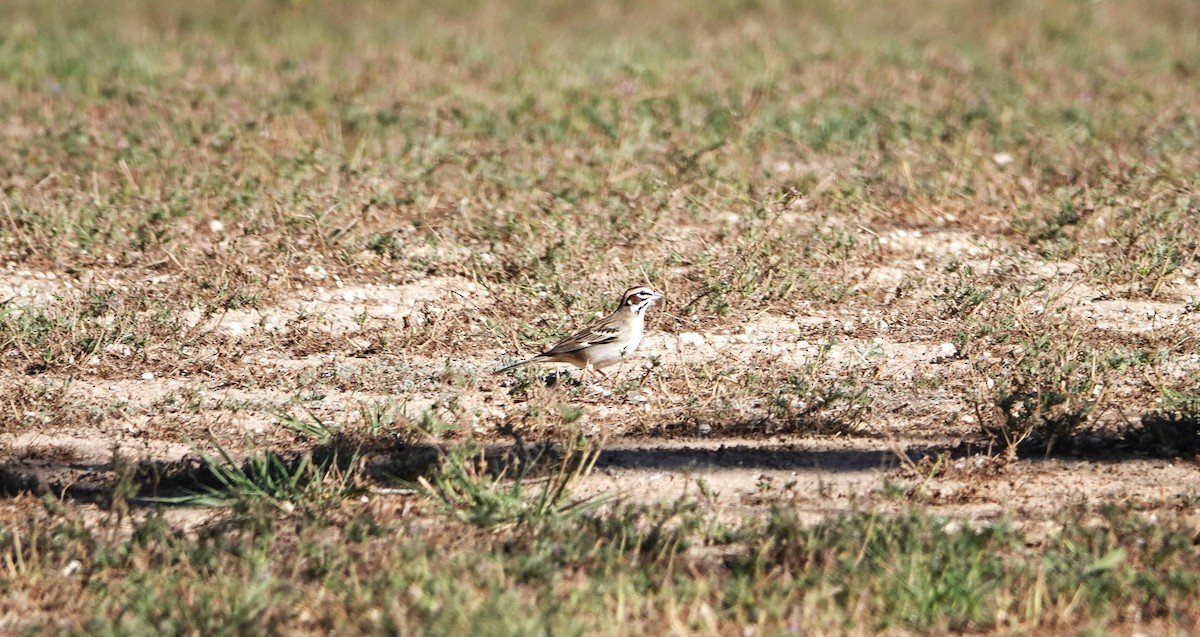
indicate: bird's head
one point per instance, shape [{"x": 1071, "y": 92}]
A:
[{"x": 639, "y": 298}]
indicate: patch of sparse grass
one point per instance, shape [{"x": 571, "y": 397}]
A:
[
  {"x": 1173, "y": 428},
  {"x": 45, "y": 405},
  {"x": 383, "y": 418},
  {"x": 1185, "y": 401},
  {"x": 115, "y": 331},
  {"x": 70, "y": 334},
  {"x": 192, "y": 173},
  {"x": 961, "y": 298},
  {"x": 779, "y": 253},
  {"x": 1147, "y": 243},
  {"x": 488, "y": 497},
  {"x": 943, "y": 576},
  {"x": 1055, "y": 233},
  {"x": 630, "y": 569},
  {"x": 935, "y": 576},
  {"x": 313, "y": 427},
  {"x": 774, "y": 395},
  {"x": 305, "y": 481},
  {"x": 809, "y": 399},
  {"x": 1051, "y": 388}
]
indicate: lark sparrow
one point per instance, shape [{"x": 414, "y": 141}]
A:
[{"x": 606, "y": 341}]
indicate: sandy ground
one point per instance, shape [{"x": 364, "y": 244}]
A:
[{"x": 917, "y": 441}]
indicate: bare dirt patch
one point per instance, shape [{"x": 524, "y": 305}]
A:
[{"x": 701, "y": 409}]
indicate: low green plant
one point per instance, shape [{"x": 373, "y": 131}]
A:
[
  {"x": 315, "y": 428},
  {"x": 932, "y": 575},
  {"x": 1053, "y": 387},
  {"x": 469, "y": 489},
  {"x": 307, "y": 481},
  {"x": 1146, "y": 244},
  {"x": 810, "y": 398}
]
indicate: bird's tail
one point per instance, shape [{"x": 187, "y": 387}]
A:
[{"x": 516, "y": 364}]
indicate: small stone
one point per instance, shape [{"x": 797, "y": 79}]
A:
[
  {"x": 147, "y": 375},
  {"x": 71, "y": 568},
  {"x": 119, "y": 350},
  {"x": 945, "y": 351}
]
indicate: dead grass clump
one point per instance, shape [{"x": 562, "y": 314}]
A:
[{"x": 1052, "y": 387}]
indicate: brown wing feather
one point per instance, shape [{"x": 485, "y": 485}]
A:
[{"x": 598, "y": 334}]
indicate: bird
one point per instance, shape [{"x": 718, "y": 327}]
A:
[{"x": 604, "y": 342}]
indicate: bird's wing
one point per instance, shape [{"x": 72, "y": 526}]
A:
[{"x": 603, "y": 332}]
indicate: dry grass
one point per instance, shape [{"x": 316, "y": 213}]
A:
[{"x": 276, "y": 249}]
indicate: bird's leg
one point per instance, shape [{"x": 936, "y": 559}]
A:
[
  {"x": 595, "y": 386},
  {"x": 595, "y": 372}
]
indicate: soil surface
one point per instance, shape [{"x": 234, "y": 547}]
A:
[{"x": 320, "y": 353}]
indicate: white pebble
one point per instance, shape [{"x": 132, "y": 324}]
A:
[
  {"x": 119, "y": 350},
  {"x": 946, "y": 351}
]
